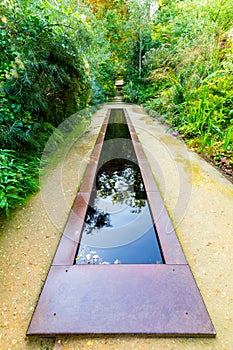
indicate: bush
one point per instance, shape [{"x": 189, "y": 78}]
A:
[{"x": 18, "y": 179}]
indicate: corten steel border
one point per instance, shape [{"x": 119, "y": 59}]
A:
[{"x": 158, "y": 299}]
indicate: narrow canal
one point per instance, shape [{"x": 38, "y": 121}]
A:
[{"x": 118, "y": 227}]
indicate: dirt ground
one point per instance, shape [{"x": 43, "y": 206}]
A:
[{"x": 199, "y": 200}]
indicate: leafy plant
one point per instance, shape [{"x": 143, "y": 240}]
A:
[
  {"x": 18, "y": 178},
  {"x": 187, "y": 74}
]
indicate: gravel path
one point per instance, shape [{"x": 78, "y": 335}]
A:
[{"x": 200, "y": 202}]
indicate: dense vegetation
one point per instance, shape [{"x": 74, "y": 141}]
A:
[
  {"x": 187, "y": 78},
  {"x": 61, "y": 56},
  {"x": 54, "y": 60}
]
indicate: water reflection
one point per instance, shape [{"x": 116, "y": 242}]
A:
[
  {"x": 118, "y": 227},
  {"x": 96, "y": 219},
  {"x": 123, "y": 185}
]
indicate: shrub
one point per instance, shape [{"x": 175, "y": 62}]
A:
[{"x": 18, "y": 179}]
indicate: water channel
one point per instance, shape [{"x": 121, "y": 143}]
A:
[{"x": 118, "y": 227}]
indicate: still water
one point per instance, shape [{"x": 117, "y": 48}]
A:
[{"x": 118, "y": 227}]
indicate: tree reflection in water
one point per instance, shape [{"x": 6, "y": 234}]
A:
[
  {"x": 96, "y": 219},
  {"x": 123, "y": 185}
]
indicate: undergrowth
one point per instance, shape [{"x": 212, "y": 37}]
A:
[{"x": 18, "y": 178}]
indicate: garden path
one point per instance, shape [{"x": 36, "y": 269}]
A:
[{"x": 199, "y": 200}]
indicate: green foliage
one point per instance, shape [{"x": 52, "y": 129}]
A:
[
  {"x": 103, "y": 82},
  {"x": 55, "y": 59},
  {"x": 18, "y": 178},
  {"x": 188, "y": 74},
  {"x": 47, "y": 74}
]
